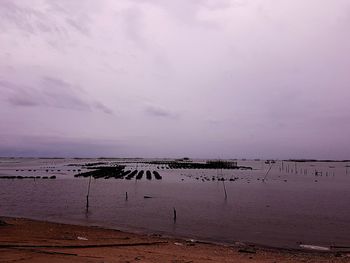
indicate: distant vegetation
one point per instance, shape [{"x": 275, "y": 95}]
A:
[
  {"x": 104, "y": 172},
  {"x": 26, "y": 177},
  {"x": 117, "y": 172},
  {"x": 315, "y": 160}
]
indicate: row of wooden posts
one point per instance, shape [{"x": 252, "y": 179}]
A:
[{"x": 288, "y": 168}]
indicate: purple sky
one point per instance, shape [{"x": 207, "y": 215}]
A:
[{"x": 165, "y": 78}]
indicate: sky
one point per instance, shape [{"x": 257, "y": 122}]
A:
[{"x": 164, "y": 78}]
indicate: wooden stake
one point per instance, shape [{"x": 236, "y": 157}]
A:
[
  {"x": 223, "y": 183},
  {"x": 267, "y": 172},
  {"x": 88, "y": 193}
]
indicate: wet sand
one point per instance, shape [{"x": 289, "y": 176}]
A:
[{"x": 36, "y": 241}]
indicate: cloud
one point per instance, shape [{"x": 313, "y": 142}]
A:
[
  {"x": 61, "y": 94},
  {"x": 52, "y": 92},
  {"x": 17, "y": 95},
  {"x": 156, "y": 111},
  {"x": 78, "y": 26},
  {"x": 182, "y": 9},
  {"x": 250, "y": 72},
  {"x": 45, "y": 18},
  {"x": 102, "y": 107},
  {"x": 133, "y": 26},
  {"x": 23, "y": 101},
  {"x": 18, "y": 16}
]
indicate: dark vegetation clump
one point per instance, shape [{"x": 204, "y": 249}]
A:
[
  {"x": 125, "y": 173},
  {"x": 94, "y": 164},
  {"x": 117, "y": 172},
  {"x": 207, "y": 165},
  {"x": 19, "y": 177},
  {"x": 104, "y": 172},
  {"x": 139, "y": 175},
  {"x": 148, "y": 175},
  {"x": 131, "y": 175},
  {"x": 157, "y": 175},
  {"x": 7, "y": 177},
  {"x": 187, "y": 163}
]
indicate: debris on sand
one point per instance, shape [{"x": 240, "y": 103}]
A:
[
  {"x": 313, "y": 247},
  {"x": 248, "y": 250}
]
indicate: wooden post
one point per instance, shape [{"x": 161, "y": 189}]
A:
[
  {"x": 88, "y": 193},
  {"x": 223, "y": 182},
  {"x": 267, "y": 173}
]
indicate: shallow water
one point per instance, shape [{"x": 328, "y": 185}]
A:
[{"x": 287, "y": 209}]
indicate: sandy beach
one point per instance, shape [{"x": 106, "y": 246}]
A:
[{"x": 24, "y": 240}]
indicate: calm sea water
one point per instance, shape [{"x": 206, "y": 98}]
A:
[{"x": 287, "y": 209}]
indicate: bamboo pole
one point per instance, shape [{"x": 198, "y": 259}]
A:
[{"x": 88, "y": 194}]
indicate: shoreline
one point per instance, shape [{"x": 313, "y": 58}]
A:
[
  {"x": 165, "y": 235},
  {"x": 40, "y": 241}
]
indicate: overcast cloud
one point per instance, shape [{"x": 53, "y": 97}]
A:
[{"x": 163, "y": 78}]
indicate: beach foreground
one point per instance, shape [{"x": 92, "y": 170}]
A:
[{"x": 35, "y": 241}]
